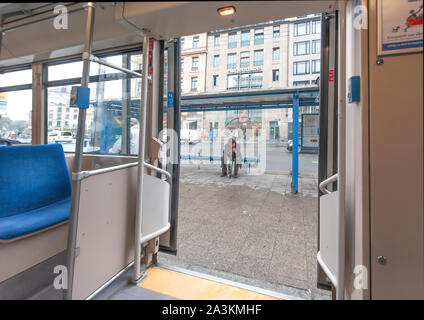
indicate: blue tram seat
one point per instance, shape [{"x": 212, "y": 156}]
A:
[{"x": 35, "y": 189}]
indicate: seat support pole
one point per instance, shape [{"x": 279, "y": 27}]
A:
[
  {"x": 77, "y": 166},
  {"x": 138, "y": 275}
]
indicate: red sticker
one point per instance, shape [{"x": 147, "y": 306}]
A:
[{"x": 331, "y": 76}]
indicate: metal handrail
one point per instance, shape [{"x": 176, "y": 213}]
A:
[
  {"x": 111, "y": 65},
  {"x": 89, "y": 173},
  {"x": 332, "y": 179}
]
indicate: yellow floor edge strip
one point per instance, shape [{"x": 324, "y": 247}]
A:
[{"x": 187, "y": 287}]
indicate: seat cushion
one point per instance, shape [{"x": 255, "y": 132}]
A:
[
  {"x": 32, "y": 177},
  {"x": 34, "y": 220}
]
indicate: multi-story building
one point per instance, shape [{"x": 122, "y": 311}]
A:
[
  {"x": 193, "y": 75},
  {"x": 60, "y": 115},
  {"x": 276, "y": 54}
]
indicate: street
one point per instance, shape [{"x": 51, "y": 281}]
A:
[{"x": 278, "y": 158}]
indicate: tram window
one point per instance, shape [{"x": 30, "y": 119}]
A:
[
  {"x": 74, "y": 69},
  {"x": 15, "y": 78},
  {"x": 113, "y": 107},
  {"x": 16, "y": 115}
]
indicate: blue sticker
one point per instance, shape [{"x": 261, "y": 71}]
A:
[{"x": 170, "y": 99}]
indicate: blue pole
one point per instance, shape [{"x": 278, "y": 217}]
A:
[{"x": 295, "y": 152}]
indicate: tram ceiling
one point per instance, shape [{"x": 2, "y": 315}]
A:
[
  {"x": 123, "y": 23},
  {"x": 175, "y": 19}
]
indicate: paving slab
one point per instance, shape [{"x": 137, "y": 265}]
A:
[{"x": 251, "y": 226}]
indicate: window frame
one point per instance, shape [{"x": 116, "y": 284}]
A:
[
  {"x": 234, "y": 64},
  {"x": 314, "y": 64},
  {"x": 274, "y": 58},
  {"x": 215, "y": 59},
  {"x": 232, "y": 44},
  {"x": 276, "y": 32},
  {"x": 259, "y": 36},
  {"x": 295, "y": 68},
  {"x": 276, "y": 72},
  {"x": 296, "y": 28},
  {"x": 197, "y": 42},
  {"x": 296, "y": 48},
  {"x": 244, "y": 42},
  {"x": 258, "y": 63}
]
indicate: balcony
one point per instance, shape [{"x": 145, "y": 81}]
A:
[{"x": 231, "y": 65}]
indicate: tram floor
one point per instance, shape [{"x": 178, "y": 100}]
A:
[{"x": 249, "y": 229}]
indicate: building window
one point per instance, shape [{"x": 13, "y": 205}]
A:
[
  {"x": 275, "y": 75},
  {"x": 231, "y": 61},
  {"x": 300, "y": 67},
  {"x": 301, "y": 48},
  {"x": 276, "y": 32},
  {"x": 215, "y": 80},
  {"x": 216, "y": 40},
  {"x": 194, "y": 83},
  {"x": 59, "y": 109},
  {"x": 216, "y": 60},
  {"x": 316, "y": 26},
  {"x": 256, "y": 79},
  {"x": 182, "y": 65},
  {"x": 50, "y": 124},
  {"x": 245, "y": 80},
  {"x": 244, "y": 59},
  {"x": 316, "y": 46},
  {"x": 245, "y": 38},
  {"x": 232, "y": 40},
  {"x": 182, "y": 44},
  {"x": 67, "y": 116},
  {"x": 301, "y": 29},
  {"x": 300, "y": 83},
  {"x": 316, "y": 65},
  {"x": 259, "y": 36},
  {"x": 194, "y": 63},
  {"x": 276, "y": 54},
  {"x": 75, "y": 116},
  {"x": 57, "y": 123},
  {"x": 195, "y": 42},
  {"x": 50, "y": 115},
  {"x": 232, "y": 82},
  {"x": 258, "y": 58}
]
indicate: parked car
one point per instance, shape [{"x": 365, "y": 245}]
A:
[{"x": 290, "y": 146}]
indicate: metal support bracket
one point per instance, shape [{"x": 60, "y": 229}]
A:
[{"x": 80, "y": 175}]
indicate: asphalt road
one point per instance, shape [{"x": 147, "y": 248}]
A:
[{"x": 278, "y": 158}]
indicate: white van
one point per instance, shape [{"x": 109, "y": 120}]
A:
[{"x": 60, "y": 137}]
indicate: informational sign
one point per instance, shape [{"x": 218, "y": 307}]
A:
[
  {"x": 170, "y": 99},
  {"x": 310, "y": 131},
  {"x": 3, "y": 104},
  {"x": 400, "y": 26}
]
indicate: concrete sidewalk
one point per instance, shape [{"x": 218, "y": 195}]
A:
[{"x": 252, "y": 226}]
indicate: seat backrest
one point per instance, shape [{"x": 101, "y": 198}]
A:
[{"x": 32, "y": 176}]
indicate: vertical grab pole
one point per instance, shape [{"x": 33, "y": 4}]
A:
[
  {"x": 295, "y": 148},
  {"x": 139, "y": 206},
  {"x": 341, "y": 156},
  {"x": 76, "y": 183}
]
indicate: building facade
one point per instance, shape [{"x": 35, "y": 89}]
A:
[{"x": 278, "y": 54}]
